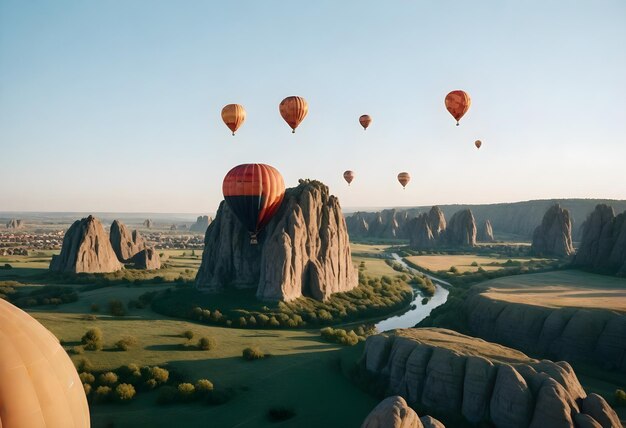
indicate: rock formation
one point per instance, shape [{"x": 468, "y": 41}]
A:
[
  {"x": 130, "y": 247},
  {"x": 577, "y": 335},
  {"x": 387, "y": 224},
  {"x": 148, "y": 223},
  {"x": 304, "y": 250},
  {"x": 603, "y": 245},
  {"x": 393, "y": 412},
  {"x": 553, "y": 237},
  {"x": 464, "y": 378},
  {"x": 429, "y": 230},
  {"x": 201, "y": 224},
  {"x": 15, "y": 224},
  {"x": 86, "y": 248},
  {"x": 485, "y": 232},
  {"x": 173, "y": 227}
]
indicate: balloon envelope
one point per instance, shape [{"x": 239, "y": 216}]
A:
[
  {"x": 254, "y": 193},
  {"x": 39, "y": 386},
  {"x": 478, "y": 143},
  {"x": 233, "y": 116},
  {"x": 348, "y": 176},
  {"x": 365, "y": 121},
  {"x": 457, "y": 103},
  {"x": 404, "y": 178},
  {"x": 293, "y": 110}
]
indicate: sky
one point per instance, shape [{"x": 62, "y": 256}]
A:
[{"x": 115, "y": 105}]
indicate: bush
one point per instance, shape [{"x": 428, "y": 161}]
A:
[
  {"x": 339, "y": 335},
  {"x": 188, "y": 334},
  {"x": 206, "y": 343},
  {"x": 87, "y": 377},
  {"x": 203, "y": 386},
  {"x": 84, "y": 365},
  {"x": 167, "y": 395},
  {"x": 253, "y": 353},
  {"x": 125, "y": 343},
  {"x": 116, "y": 308},
  {"x": 279, "y": 414},
  {"x": 93, "y": 339},
  {"x": 159, "y": 374},
  {"x": 103, "y": 393},
  {"x": 620, "y": 398},
  {"x": 77, "y": 350},
  {"x": 186, "y": 391},
  {"x": 108, "y": 378},
  {"x": 87, "y": 388},
  {"x": 124, "y": 392}
]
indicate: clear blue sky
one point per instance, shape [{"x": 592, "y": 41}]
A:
[{"x": 115, "y": 105}]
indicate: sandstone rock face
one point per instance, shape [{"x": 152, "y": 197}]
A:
[
  {"x": 124, "y": 242},
  {"x": 201, "y": 224},
  {"x": 447, "y": 373},
  {"x": 579, "y": 335},
  {"x": 15, "y": 224},
  {"x": 485, "y": 232},
  {"x": 304, "y": 250},
  {"x": 430, "y": 422},
  {"x": 603, "y": 244},
  {"x": 86, "y": 248},
  {"x": 553, "y": 237},
  {"x": 389, "y": 224},
  {"x": 429, "y": 230},
  {"x": 461, "y": 230},
  {"x": 146, "y": 259},
  {"x": 392, "y": 412},
  {"x": 420, "y": 233},
  {"x": 148, "y": 223}
]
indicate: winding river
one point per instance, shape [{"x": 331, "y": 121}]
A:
[{"x": 417, "y": 312}]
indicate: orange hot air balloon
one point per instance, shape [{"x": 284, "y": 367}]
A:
[
  {"x": 233, "y": 116},
  {"x": 39, "y": 386},
  {"x": 365, "y": 121},
  {"x": 348, "y": 176},
  {"x": 457, "y": 103},
  {"x": 478, "y": 143},
  {"x": 254, "y": 192},
  {"x": 293, "y": 110},
  {"x": 404, "y": 178}
]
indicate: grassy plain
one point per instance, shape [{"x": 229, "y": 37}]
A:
[{"x": 463, "y": 262}]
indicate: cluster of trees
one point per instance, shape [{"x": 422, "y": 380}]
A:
[
  {"x": 46, "y": 295},
  {"x": 253, "y": 353},
  {"x": 93, "y": 340},
  {"x": 344, "y": 337}
]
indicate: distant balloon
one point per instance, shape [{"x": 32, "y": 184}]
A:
[
  {"x": 457, "y": 103},
  {"x": 293, "y": 110},
  {"x": 404, "y": 178},
  {"x": 233, "y": 116},
  {"x": 348, "y": 176},
  {"x": 254, "y": 193},
  {"x": 478, "y": 143},
  {"x": 39, "y": 386},
  {"x": 365, "y": 121}
]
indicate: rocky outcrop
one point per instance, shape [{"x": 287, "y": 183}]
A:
[
  {"x": 304, "y": 250},
  {"x": 124, "y": 242},
  {"x": 86, "y": 248},
  {"x": 553, "y": 237},
  {"x": 146, "y": 259},
  {"x": 461, "y": 230},
  {"x": 464, "y": 378},
  {"x": 15, "y": 224},
  {"x": 603, "y": 244},
  {"x": 148, "y": 223},
  {"x": 577, "y": 335},
  {"x": 201, "y": 224},
  {"x": 485, "y": 232},
  {"x": 429, "y": 230},
  {"x": 420, "y": 234},
  {"x": 385, "y": 224},
  {"x": 393, "y": 412}
]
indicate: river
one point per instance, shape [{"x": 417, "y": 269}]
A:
[{"x": 417, "y": 312}]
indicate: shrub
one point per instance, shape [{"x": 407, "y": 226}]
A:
[
  {"x": 279, "y": 414},
  {"x": 87, "y": 377},
  {"x": 103, "y": 393},
  {"x": 125, "y": 343},
  {"x": 167, "y": 395},
  {"x": 108, "y": 378},
  {"x": 206, "y": 343},
  {"x": 453, "y": 269},
  {"x": 87, "y": 388},
  {"x": 188, "y": 334},
  {"x": 151, "y": 384},
  {"x": 474, "y": 264},
  {"x": 116, "y": 308},
  {"x": 77, "y": 350},
  {"x": 186, "y": 391},
  {"x": 124, "y": 392},
  {"x": 159, "y": 374},
  {"x": 242, "y": 322},
  {"x": 93, "y": 339},
  {"x": 340, "y": 336},
  {"x": 253, "y": 353},
  {"x": 203, "y": 386},
  {"x": 273, "y": 322},
  {"x": 84, "y": 365},
  {"x": 620, "y": 398}
]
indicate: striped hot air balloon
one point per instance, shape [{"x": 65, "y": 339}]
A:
[
  {"x": 365, "y": 121},
  {"x": 404, "y": 178},
  {"x": 348, "y": 176},
  {"x": 478, "y": 143},
  {"x": 233, "y": 116},
  {"x": 254, "y": 192},
  {"x": 39, "y": 386},
  {"x": 457, "y": 103},
  {"x": 293, "y": 110}
]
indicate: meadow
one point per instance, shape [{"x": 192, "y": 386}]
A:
[{"x": 465, "y": 262}]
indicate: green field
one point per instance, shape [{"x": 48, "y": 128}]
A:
[{"x": 463, "y": 262}]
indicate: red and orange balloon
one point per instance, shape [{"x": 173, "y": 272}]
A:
[
  {"x": 254, "y": 192},
  {"x": 293, "y": 110},
  {"x": 348, "y": 176},
  {"x": 233, "y": 116},
  {"x": 457, "y": 103},
  {"x": 404, "y": 178},
  {"x": 365, "y": 121}
]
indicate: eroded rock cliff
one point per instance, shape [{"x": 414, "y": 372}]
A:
[
  {"x": 394, "y": 412},
  {"x": 603, "y": 245},
  {"x": 86, "y": 248},
  {"x": 304, "y": 250},
  {"x": 429, "y": 230},
  {"x": 201, "y": 224},
  {"x": 553, "y": 237},
  {"x": 457, "y": 376},
  {"x": 485, "y": 232},
  {"x": 15, "y": 224},
  {"x": 124, "y": 242}
]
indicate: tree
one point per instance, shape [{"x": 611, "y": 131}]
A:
[
  {"x": 108, "y": 378},
  {"x": 203, "y": 386},
  {"x": 188, "y": 334},
  {"x": 124, "y": 392},
  {"x": 116, "y": 308},
  {"x": 93, "y": 339},
  {"x": 253, "y": 353},
  {"x": 206, "y": 343},
  {"x": 186, "y": 391}
]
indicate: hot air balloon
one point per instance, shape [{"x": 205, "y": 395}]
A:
[
  {"x": 39, "y": 386},
  {"x": 293, "y": 110},
  {"x": 457, "y": 103},
  {"x": 348, "y": 176},
  {"x": 365, "y": 121},
  {"x": 478, "y": 143},
  {"x": 404, "y": 178},
  {"x": 233, "y": 116},
  {"x": 254, "y": 192}
]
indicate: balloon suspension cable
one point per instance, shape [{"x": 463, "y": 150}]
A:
[{"x": 253, "y": 239}]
